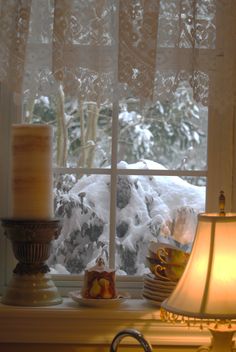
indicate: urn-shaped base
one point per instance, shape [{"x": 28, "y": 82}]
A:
[
  {"x": 31, "y": 290},
  {"x": 31, "y": 283}
]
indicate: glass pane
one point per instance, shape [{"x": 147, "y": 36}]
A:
[
  {"x": 150, "y": 208},
  {"x": 171, "y": 132},
  {"x": 82, "y": 131},
  {"x": 83, "y": 204}
]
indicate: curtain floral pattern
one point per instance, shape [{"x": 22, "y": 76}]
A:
[
  {"x": 14, "y": 29},
  {"x": 100, "y": 48}
]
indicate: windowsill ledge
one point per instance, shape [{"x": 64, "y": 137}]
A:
[{"x": 71, "y": 323}]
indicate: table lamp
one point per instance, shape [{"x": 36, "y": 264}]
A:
[{"x": 206, "y": 291}]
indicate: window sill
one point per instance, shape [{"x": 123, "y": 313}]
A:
[{"x": 71, "y": 323}]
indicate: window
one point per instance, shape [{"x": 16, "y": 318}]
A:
[{"x": 138, "y": 98}]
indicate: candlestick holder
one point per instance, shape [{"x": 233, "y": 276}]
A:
[{"x": 31, "y": 284}]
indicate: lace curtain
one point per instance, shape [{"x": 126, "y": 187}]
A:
[{"x": 98, "y": 50}]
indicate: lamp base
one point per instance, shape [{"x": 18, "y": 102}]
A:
[
  {"x": 221, "y": 341},
  {"x": 31, "y": 290}
]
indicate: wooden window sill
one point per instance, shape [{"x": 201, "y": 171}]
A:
[{"x": 70, "y": 323}]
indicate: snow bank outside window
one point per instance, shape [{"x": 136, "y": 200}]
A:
[{"x": 147, "y": 207}]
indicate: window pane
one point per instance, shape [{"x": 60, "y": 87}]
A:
[
  {"x": 171, "y": 132},
  {"x": 87, "y": 80},
  {"x": 83, "y": 205},
  {"x": 82, "y": 131},
  {"x": 150, "y": 208}
]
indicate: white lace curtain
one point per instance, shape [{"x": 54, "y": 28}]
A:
[{"x": 99, "y": 50}]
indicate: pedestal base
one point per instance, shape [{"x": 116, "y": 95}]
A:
[
  {"x": 31, "y": 290},
  {"x": 31, "y": 283},
  {"x": 221, "y": 341}
]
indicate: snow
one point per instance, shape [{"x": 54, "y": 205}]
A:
[
  {"x": 144, "y": 136},
  {"x": 44, "y": 100},
  {"x": 148, "y": 207}
]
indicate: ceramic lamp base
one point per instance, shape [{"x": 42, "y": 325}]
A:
[
  {"x": 221, "y": 341},
  {"x": 31, "y": 290}
]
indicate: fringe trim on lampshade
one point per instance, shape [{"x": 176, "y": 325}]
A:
[{"x": 191, "y": 322}]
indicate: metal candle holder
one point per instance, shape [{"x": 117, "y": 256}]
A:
[{"x": 31, "y": 283}]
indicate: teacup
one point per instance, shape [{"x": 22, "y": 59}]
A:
[
  {"x": 172, "y": 256},
  {"x": 167, "y": 254},
  {"x": 165, "y": 271}
]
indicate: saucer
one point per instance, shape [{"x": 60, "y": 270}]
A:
[
  {"x": 158, "y": 281},
  {"x": 98, "y": 302}
]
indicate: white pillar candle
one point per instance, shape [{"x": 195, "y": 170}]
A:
[{"x": 32, "y": 185}]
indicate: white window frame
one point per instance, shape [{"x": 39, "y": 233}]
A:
[{"x": 220, "y": 175}]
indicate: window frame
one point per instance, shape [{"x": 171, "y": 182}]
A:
[
  {"x": 217, "y": 178},
  {"x": 221, "y": 172}
]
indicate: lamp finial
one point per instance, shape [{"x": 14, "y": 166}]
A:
[{"x": 222, "y": 203}]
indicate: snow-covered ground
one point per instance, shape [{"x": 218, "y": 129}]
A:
[{"x": 148, "y": 207}]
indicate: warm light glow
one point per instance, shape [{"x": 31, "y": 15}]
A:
[{"x": 207, "y": 288}]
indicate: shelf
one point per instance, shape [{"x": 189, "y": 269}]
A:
[{"x": 71, "y": 323}]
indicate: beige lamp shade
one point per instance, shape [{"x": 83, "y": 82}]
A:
[{"x": 207, "y": 288}]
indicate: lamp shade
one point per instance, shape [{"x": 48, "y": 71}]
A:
[{"x": 207, "y": 288}]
